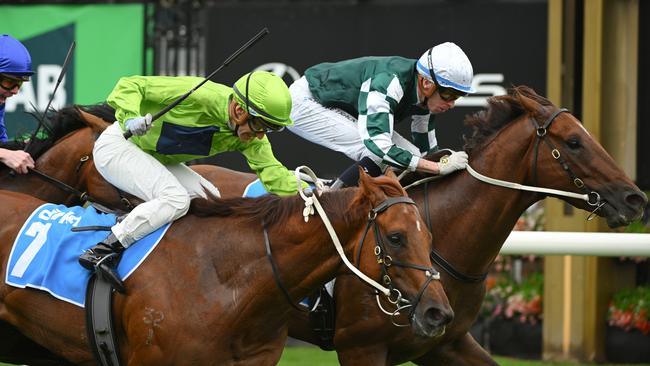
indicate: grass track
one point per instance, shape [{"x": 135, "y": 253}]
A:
[{"x": 311, "y": 356}]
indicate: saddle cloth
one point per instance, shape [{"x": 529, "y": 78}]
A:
[{"x": 44, "y": 254}]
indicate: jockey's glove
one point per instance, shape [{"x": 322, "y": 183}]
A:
[
  {"x": 450, "y": 163},
  {"x": 138, "y": 125}
]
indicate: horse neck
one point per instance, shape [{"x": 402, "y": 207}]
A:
[
  {"x": 471, "y": 219},
  {"x": 308, "y": 258}
]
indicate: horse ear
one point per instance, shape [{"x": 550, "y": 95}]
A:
[
  {"x": 530, "y": 105},
  {"x": 364, "y": 178},
  {"x": 390, "y": 173}
]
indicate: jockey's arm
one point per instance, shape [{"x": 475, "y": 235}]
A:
[
  {"x": 376, "y": 109},
  {"x": 275, "y": 177}
]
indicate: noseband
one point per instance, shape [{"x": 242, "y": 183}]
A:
[{"x": 386, "y": 261}]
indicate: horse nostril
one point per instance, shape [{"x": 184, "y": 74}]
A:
[
  {"x": 635, "y": 199},
  {"x": 437, "y": 317}
]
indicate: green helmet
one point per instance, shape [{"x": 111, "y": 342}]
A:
[{"x": 264, "y": 94}]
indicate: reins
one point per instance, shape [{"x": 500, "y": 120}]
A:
[
  {"x": 384, "y": 259},
  {"x": 541, "y": 132}
]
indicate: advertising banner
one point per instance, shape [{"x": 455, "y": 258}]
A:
[
  {"x": 506, "y": 42},
  {"x": 109, "y": 44}
]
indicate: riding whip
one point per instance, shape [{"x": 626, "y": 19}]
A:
[
  {"x": 232, "y": 57},
  {"x": 64, "y": 68}
]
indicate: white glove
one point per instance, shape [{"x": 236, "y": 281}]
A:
[
  {"x": 450, "y": 163},
  {"x": 138, "y": 126}
]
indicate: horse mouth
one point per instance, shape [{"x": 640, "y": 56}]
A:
[
  {"x": 622, "y": 212},
  {"x": 428, "y": 331},
  {"x": 432, "y": 323}
]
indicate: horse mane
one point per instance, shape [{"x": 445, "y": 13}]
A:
[
  {"x": 60, "y": 123},
  {"x": 269, "y": 209},
  {"x": 501, "y": 110},
  {"x": 272, "y": 209}
]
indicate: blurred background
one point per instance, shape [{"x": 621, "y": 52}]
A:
[{"x": 585, "y": 55}]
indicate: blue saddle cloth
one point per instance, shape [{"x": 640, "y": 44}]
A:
[
  {"x": 45, "y": 252},
  {"x": 254, "y": 189}
]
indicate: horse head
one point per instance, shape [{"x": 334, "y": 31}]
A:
[
  {"x": 559, "y": 153},
  {"x": 401, "y": 244}
]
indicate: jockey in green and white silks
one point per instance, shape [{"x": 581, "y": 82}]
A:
[
  {"x": 351, "y": 106},
  {"x": 213, "y": 119}
]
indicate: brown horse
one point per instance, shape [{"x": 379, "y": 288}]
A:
[
  {"x": 505, "y": 145},
  {"x": 208, "y": 294},
  {"x": 521, "y": 138}
]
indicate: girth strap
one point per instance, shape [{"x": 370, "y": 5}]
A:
[{"x": 99, "y": 321}]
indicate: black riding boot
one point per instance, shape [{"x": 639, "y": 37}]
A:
[
  {"x": 350, "y": 177},
  {"x": 103, "y": 259}
]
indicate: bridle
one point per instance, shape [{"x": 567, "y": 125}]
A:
[
  {"x": 383, "y": 258},
  {"x": 385, "y": 261},
  {"x": 555, "y": 152},
  {"x": 591, "y": 197}
]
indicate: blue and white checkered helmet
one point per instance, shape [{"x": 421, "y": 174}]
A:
[{"x": 450, "y": 66}]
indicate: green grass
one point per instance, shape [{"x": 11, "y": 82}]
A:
[{"x": 301, "y": 356}]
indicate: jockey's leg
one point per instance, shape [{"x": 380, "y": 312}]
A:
[
  {"x": 350, "y": 177},
  {"x": 132, "y": 170},
  {"x": 331, "y": 128}
]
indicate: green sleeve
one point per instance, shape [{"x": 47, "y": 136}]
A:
[
  {"x": 126, "y": 98},
  {"x": 275, "y": 177}
]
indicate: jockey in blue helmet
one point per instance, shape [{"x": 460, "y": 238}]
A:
[{"x": 15, "y": 68}]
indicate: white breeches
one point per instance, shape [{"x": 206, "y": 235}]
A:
[
  {"x": 166, "y": 189},
  {"x": 331, "y": 127}
]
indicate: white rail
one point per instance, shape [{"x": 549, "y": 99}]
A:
[{"x": 577, "y": 243}]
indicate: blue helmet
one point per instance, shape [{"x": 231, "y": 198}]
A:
[{"x": 14, "y": 57}]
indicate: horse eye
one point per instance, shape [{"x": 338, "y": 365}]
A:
[
  {"x": 395, "y": 239},
  {"x": 573, "y": 143}
]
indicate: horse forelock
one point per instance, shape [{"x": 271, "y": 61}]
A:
[{"x": 501, "y": 111}]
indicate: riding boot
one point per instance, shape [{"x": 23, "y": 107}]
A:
[
  {"x": 350, "y": 177},
  {"x": 103, "y": 259}
]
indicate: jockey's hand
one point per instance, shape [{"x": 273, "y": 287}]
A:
[
  {"x": 138, "y": 125},
  {"x": 18, "y": 160},
  {"x": 456, "y": 161}
]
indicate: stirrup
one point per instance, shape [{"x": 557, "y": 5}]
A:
[{"x": 107, "y": 257}]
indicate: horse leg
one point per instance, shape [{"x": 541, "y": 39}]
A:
[
  {"x": 372, "y": 355},
  {"x": 464, "y": 351}
]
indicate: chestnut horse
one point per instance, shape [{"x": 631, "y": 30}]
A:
[
  {"x": 212, "y": 294},
  {"x": 512, "y": 141}
]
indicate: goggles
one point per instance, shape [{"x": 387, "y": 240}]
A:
[
  {"x": 8, "y": 83},
  {"x": 257, "y": 125},
  {"x": 446, "y": 94}
]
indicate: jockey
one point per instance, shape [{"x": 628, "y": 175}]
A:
[
  {"x": 350, "y": 106},
  {"x": 15, "y": 68},
  {"x": 213, "y": 119}
]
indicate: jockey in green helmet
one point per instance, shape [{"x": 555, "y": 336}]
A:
[{"x": 150, "y": 165}]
